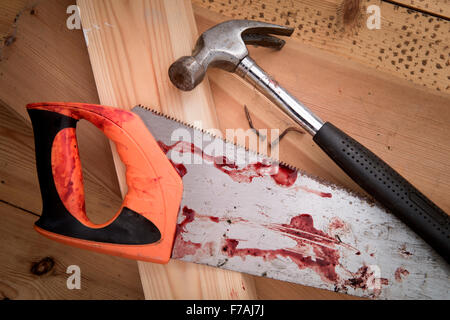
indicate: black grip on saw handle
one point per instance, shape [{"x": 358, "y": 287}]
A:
[{"x": 387, "y": 187}]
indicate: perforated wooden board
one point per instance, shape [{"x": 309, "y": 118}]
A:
[{"x": 410, "y": 44}]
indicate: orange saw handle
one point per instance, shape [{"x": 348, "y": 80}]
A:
[{"x": 144, "y": 226}]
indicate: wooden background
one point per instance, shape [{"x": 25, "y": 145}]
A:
[{"x": 389, "y": 88}]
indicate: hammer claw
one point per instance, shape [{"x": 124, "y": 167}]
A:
[
  {"x": 258, "y": 27},
  {"x": 263, "y": 40}
]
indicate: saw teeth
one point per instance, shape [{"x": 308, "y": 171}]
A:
[
  {"x": 159, "y": 113},
  {"x": 282, "y": 163}
]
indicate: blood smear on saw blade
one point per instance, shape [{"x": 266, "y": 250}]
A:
[
  {"x": 284, "y": 176},
  {"x": 301, "y": 228}
]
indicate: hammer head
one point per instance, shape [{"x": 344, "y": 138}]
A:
[{"x": 223, "y": 46}]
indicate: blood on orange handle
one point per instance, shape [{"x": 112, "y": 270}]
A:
[
  {"x": 67, "y": 173},
  {"x": 144, "y": 226}
]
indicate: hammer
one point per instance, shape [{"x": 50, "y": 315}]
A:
[{"x": 224, "y": 46}]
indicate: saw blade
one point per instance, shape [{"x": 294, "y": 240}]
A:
[{"x": 249, "y": 213}]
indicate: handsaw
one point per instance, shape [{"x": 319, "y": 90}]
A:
[{"x": 195, "y": 197}]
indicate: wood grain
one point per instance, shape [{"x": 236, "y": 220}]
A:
[
  {"x": 131, "y": 46},
  {"x": 103, "y": 277},
  {"x": 18, "y": 172},
  {"x": 269, "y": 289},
  {"x": 43, "y": 64},
  {"x": 10, "y": 10},
  {"x": 436, "y": 7},
  {"x": 411, "y": 45}
]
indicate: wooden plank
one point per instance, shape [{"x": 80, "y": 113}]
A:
[
  {"x": 43, "y": 64},
  {"x": 17, "y": 166},
  {"x": 18, "y": 172},
  {"x": 34, "y": 267},
  {"x": 131, "y": 46},
  {"x": 409, "y": 44},
  {"x": 269, "y": 289},
  {"x": 103, "y": 277},
  {"x": 440, "y": 8},
  {"x": 9, "y": 12}
]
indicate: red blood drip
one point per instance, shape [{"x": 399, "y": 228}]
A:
[
  {"x": 180, "y": 146},
  {"x": 399, "y": 273},
  {"x": 319, "y": 193},
  {"x": 303, "y": 226},
  {"x": 164, "y": 147},
  {"x": 181, "y": 246},
  {"x": 245, "y": 174},
  {"x": 364, "y": 279},
  {"x": 323, "y": 261},
  {"x": 301, "y": 229},
  {"x": 214, "y": 219},
  {"x": 189, "y": 215},
  {"x": 67, "y": 173},
  {"x": 337, "y": 224},
  {"x": 304, "y": 222},
  {"x": 184, "y": 248},
  {"x": 325, "y": 194},
  {"x": 181, "y": 169},
  {"x": 285, "y": 176}
]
